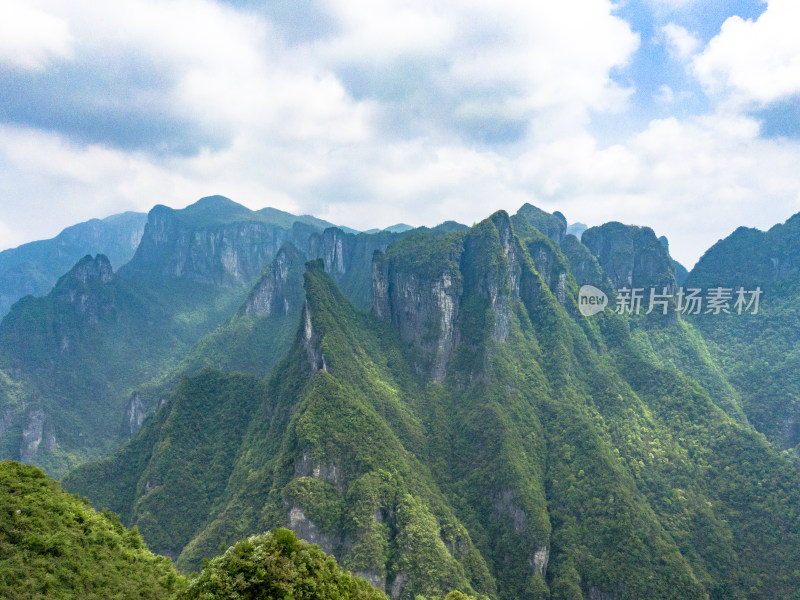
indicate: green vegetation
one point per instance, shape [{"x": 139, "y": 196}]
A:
[
  {"x": 474, "y": 432},
  {"x": 556, "y": 456},
  {"x": 759, "y": 354},
  {"x": 277, "y": 566},
  {"x": 53, "y": 545}
]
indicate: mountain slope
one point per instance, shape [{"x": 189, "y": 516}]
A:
[
  {"x": 759, "y": 353},
  {"x": 52, "y": 545}
]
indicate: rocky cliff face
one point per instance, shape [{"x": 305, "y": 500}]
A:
[
  {"x": 279, "y": 290},
  {"x": 631, "y": 256},
  {"x": 423, "y": 298},
  {"x": 220, "y": 253},
  {"x": 424, "y": 309},
  {"x": 86, "y": 292},
  {"x": 348, "y": 259},
  {"x": 134, "y": 416}
]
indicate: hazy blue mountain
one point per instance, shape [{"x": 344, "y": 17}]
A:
[
  {"x": 73, "y": 359},
  {"x": 577, "y": 229},
  {"x": 35, "y": 267},
  {"x": 398, "y": 228}
]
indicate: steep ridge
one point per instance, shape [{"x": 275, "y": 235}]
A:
[
  {"x": 213, "y": 241},
  {"x": 476, "y": 432},
  {"x": 260, "y": 331}
]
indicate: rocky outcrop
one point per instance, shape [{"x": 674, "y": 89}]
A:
[
  {"x": 583, "y": 264},
  {"x": 307, "y": 530},
  {"x": 32, "y": 431},
  {"x": 330, "y": 471},
  {"x": 551, "y": 266},
  {"x": 279, "y": 289},
  {"x": 134, "y": 415},
  {"x": 631, "y": 256},
  {"x": 348, "y": 259},
  {"x": 424, "y": 299},
  {"x": 330, "y": 247},
  {"x": 398, "y": 585},
  {"x": 311, "y": 343},
  {"x": 505, "y": 287},
  {"x": 541, "y": 557},
  {"x": 425, "y": 311},
  {"x": 213, "y": 241},
  {"x": 87, "y": 289},
  {"x": 380, "y": 286},
  {"x": 34, "y": 268},
  {"x": 89, "y": 270}
]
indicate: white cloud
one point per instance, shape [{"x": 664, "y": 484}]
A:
[
  {"x": 30, "y": 37},
  {"x": 370, "y": 126},
  {"x": 694, "y": 180},
  {"x": 465, "y": 62},
  {"x": 754, "y": 61},
  {"x": 680, "y": 42}
]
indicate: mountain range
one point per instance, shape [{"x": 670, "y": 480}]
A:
[{"x": 433, "y": 407}]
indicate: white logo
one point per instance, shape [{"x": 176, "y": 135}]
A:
[{"x": 591, "y": 300}]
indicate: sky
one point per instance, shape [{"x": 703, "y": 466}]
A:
[{"x": 683, "y": 115}]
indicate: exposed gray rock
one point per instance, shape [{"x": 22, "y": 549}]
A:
[
  {"x": 31, "y": 435},
  {"x": 541, "y": 557},
  {"x": 134, "y": 415},
  {"x": 93, "y": 269},
  {"x": 214, "y": 241},
  {"x": 505, "y": 508},
  {"x": 380, "y": 287},
  {"x": 631, "y": 256},
  {"x": 398, "y": 585},
  {"x": 425, "y": 312},
  {"x": 86, "y": 288},
  {"x": 50, "y": 441},
  {"x": 307, "y": 530},
  {"x": 375, "y": 579},
  {"x": 330, "y": 471},
  {"x": 277, "y": 291},
  {"x": 311, "y": 343}
]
